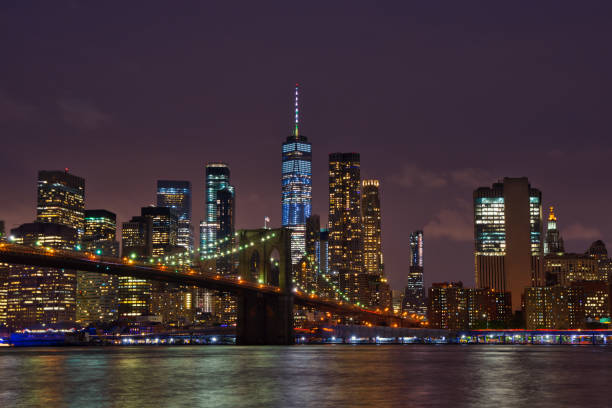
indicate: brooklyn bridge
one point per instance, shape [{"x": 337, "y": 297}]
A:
[{"x": 264, "y": 285}]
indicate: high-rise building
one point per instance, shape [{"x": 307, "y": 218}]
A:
[
  {"x": 414, "y": 293},
  {"x": 164, "y": 236},
  {"x": 296, "y": 185},
  {"x": 217, "y": 229},
  {"x": 370, "y": 210},
  {"x": 37, "y": 295},
  {"x": 136, "y": 243},
  {"x": 508, "y": 237},
  {"x": 345, "y": 226},
  {"x": 97, "y": 292},
  {"x": 554, "y": 307},
  {"x": 324, "y": 251},
  {"x": 566, "y": 268},
  {"x": 177, "y": 195},
  {"x": 61, "y": 199},
  {"x": 553, "y": 243}
]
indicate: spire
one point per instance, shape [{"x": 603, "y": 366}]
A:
[
  {"x": 551, "y": 215},
  {"x": 297, "y": 111}
]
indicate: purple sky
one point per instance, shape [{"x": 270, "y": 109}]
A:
[{"x": 438, "y": 97}]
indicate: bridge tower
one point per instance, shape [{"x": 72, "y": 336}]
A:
[{"x": 266, "y": 318}]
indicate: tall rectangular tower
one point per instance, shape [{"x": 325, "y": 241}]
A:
[
  {"x": 345, "y": 226},
  {"x": 508, "y": 237},
  {"x": 177, "y": 195},
  {"x": 370, "y": 209},
  {"x": 296, "y": 184},
  {"x": 61, "y": 199},
  {"x": 414, "y": 294}
]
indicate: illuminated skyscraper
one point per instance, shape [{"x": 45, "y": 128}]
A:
[
  {"x": 177, "y": 195},
  {"x": 554, "y": 242},
  {"x": 35, "y": 294},
  {"x": 219, "y": 195},
  {"x": 165, "y": 229},
  {"x": 345, "y": 226},
  {"x": 61, "y": 199},
  {"x": 136, "y": 243},
  {"x": 414, "y": 293},
  {"x": 296, "y": 186},
  {"x": 370, "y": 209},
  {"x": 508, "y": 237},
  {"x": 97, "y": 292}
]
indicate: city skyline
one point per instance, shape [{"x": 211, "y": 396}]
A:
[{"x": 430, "y": 169}]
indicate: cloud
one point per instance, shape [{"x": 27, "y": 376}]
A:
[
  {"x": 456, "y": 225},
  {"x": 12, "y": 110},
  {"x": 82, "y": 115},
  {"x": 577, "y": 231},
  {"x": 412, "y": 175}
]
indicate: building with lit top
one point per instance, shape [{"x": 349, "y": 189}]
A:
[
  {"x": 508, "y": 237},
  {"x": 345, "y": 243},
  {"x": 61, "y": 199},
  {"x": 370, "y": 210},
  {"x": 136, "y": 243},
  {"x": 414, "y": 293},
  {"x": 296, "y": 186},
  {"x": 37, "y": 295},
  {"x": 177, "y": 195},
  {"x": 217, "y": 229},
  {"x": 553, "y": 243},
  {"x": 97, "y": 292}
]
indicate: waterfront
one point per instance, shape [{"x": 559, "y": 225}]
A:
[{"x": 331, "y": 375}]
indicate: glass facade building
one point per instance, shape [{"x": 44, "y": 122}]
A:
[
  {"x": 508, "y": 237},
  {"x": 220, "y": 208},
  {"x": 61, "y": 199},
  {"x": 177, "y": 195},
  {"x": 414, "y": 293},
  {"x": 97, "y": 292},
  {"x": 296, "y": 186}
]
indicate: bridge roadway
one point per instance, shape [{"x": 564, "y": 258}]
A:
[{"x": 83, "y": 261}]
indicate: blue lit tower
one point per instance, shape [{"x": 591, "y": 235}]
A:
[
  {"x": 177, "y": 195},
  {"x": 296, "y": 186},
  {"x": 219, "y": 219}
]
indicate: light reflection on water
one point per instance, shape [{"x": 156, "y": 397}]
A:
[{"x": 305, "y": 376}]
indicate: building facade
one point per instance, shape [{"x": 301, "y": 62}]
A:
[
  {"x": 136, "y": 243},
  {"x": 553, "y": 243},
  {"x": 97, "y": 296},
  {"x": 554, "y": 307},
  {"x": 414, "y": 293},
  {"x": 61, "y": 199},
  {"x": 345, "y": 225},
  {"x": 372, "y": 246},
  {"x": 177, "y": 195},
  {"x": 296, "y": 186},
  {"x": 508, "y": 237}
]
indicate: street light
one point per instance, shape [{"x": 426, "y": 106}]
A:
[{"x": 484, "y": 316}]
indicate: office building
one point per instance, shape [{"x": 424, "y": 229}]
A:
[
  {"x": 414, "y": 293},
  {"x": 37, "y": 295},
  {"x": 553, "y": 243},
  {"x": 345, "y": 226},
  {"x": 61, "y": 199},
  {"x": 370, "y": 210},
  {"x": 164, "y": 238},
  {"x": 508, "y": 237},
  {"x": 97, "y": 292},
  {"x": 566, "y": 268},
  {"x": 177, "y": 195},
  {"x": 296, "y": 185}
]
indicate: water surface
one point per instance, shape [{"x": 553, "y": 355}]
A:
[{"x": 307, "y": 376}]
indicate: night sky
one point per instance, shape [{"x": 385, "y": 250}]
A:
[{"x": 438, "y": 97}]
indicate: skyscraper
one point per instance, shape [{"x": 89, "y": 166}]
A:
[
  {"x": 61, "y": 199},
  {"x": 164, "y": 236},
  {"x": 136, "y": 243},
  {"x": 414, "y": 293},
  {"x": 345, "y": 226},
  {"x": 508, "y": 237},
  {"x": 370, "y": 209},
  {"x": 217, "y": 230},
  {"x": 217, "y": 181},
  {"x": 38, "y": 295},
  {"x": 553, "y": 243},
  {"x": 177, "y": 195},
  {"x": 296, "y": 186},
  {"x": 97, "y": 292}
]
